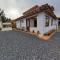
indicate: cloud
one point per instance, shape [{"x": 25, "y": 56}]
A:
[{"x": 15, "y": 8}]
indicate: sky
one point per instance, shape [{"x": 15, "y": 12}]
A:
[{"x": 15, "y": 8}]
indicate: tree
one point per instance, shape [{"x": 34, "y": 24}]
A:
[
  {"x": 3, "y": 17},
  {"x": 8, "y": 20}
]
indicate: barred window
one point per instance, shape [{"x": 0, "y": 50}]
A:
[{"x": 47, "y": 21}]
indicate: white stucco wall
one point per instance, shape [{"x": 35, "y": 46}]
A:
[
  {"x": 18, "y": 24},
  {"x": 31, "y": 23},
  {"x": 51, "y": 27},
  {"x": 7, "y": 29},
  {"x": 23, "y": 24},
  {"x": 32, "y": 26},
  {"x": 57, "y": 21},
  {"x": 41, "y": 21}
]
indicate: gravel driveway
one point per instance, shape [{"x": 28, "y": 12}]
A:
[{"x": 22, "y": 46}]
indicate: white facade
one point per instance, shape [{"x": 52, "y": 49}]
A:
[
  {"x": 7, "y": 29},
  {"x": 51, "y": 27},
  {"x": 6, "y": 26},
  {"x": 21, "y": 24},
  {"x": 18, "y": 24},
  {"x": 41, "y": 21}
]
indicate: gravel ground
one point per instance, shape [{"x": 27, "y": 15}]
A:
[{"x": 22, "y": 46}]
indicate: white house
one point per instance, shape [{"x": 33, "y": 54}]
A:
[
  {"x": 21, "y": 23},
  {"x": 38, "y": 19},
  {"x": 6, "y": 26}
]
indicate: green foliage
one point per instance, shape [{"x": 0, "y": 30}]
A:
[{"x": 3, "y": 17}]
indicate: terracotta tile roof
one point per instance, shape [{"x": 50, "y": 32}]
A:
[
  {"x": 21, "y": 17},
  {"x": 31, "y": 10},
  {"x": 37, "y": 9}
]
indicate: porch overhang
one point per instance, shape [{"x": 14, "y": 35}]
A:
[{"x": 31, "y": 17}]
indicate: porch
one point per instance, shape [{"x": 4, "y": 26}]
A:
[{"x": 31, "y": 24}]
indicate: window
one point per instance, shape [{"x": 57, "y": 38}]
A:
[
  {"x": 22, "y": 21},
  {"x": 35, "y": 23},
  {"x": 47, "y": 20},
  {"x": 59, "y": 23},
  {"x": 51, "y": 21}
]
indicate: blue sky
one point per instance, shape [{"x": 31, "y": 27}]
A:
[{"x": 15, "y": 8}]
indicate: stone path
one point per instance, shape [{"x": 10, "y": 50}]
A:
[{"x": 22, "y": 46}]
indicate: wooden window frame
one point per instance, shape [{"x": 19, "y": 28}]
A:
[
  {"x": 51, "y": 21},
  {"x": 35, "y": 23},
  {"x": 47, "y": 21}
]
